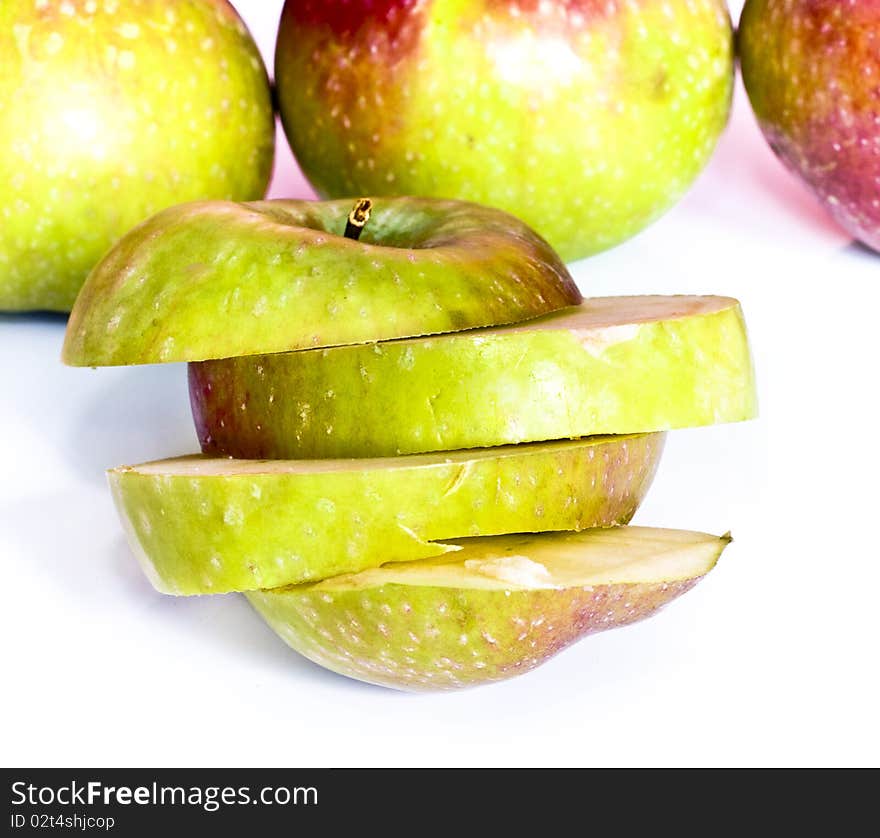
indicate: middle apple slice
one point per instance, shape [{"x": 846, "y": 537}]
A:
[
  {"x": 201, "y": 525},
  {"x": 613, "y": 365}
]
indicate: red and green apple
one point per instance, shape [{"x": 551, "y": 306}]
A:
[
  {"x": 586, "y": 118},
  {"x": 812, "y": 72},
  {"x": 426, "y": 571}
]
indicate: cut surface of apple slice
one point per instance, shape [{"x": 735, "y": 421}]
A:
[
  {"x": 200, "y": 525},
  {"x": 612, "y": 365},
  {"x": 215, "y": 279},
  {"x": 496, "y": 608}
]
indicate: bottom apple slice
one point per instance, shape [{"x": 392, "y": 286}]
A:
[{"x": 498, "y": 607}]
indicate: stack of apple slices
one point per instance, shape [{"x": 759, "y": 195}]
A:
[{"x": 420, "y": 446}]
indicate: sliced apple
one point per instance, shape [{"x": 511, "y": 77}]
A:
[
  {"x": 610, "y": 365},
  {"x": 200, "y": 525},
  {"x": 216, "y": 279},
  {"x": 497, "y": 608}
]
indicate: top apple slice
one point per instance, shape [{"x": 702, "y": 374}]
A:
[{"x": 217, "y": 279}]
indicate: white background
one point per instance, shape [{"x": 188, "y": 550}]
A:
[{"x": 772, "y": 659}]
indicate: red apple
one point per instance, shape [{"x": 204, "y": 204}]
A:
[{"x": 812, "y": 72}]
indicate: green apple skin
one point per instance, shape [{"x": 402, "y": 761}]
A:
[
  {"x": 217, "y": 279},
  {"x": 611, "y": 365},
  {"x": 467, "y": 631},
  {"x": 810, "y": 68},
  {"x": 586, "y": 119},
  {"x": 203, "y": 526},
  {"x": 112, "y": 110}
]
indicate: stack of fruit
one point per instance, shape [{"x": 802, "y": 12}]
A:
[{"x": 420, "y": 444}]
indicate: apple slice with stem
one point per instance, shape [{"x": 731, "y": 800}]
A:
[
  {"x": 611, "y": 365},
  {"x": 497, "y": 608},
  {"x": 199, "y": 525},
  {"x": 216, "y": 279}
]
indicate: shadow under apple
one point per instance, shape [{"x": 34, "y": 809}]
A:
[
  {"x": 859, "y": 250},
  {"x": 229, "y": 621},
  {"x": 9, "y": 318}
]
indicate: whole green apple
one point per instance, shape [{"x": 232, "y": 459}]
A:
[
  {"x": 202, "y": 526},
  {"x": 497, "y": 608},
  {"x": 811, "y": 69},
  {"x": 109, "y": 111},
  {"x": 586, "y": 118}
]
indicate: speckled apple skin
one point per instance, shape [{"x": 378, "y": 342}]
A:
[
  {"x": 112, "y": 110},
  {"x": 217, "y": 279},
  {"x": 812, "y": 72},
  {"x": 421, "y": 638},
  {"x": 237, "y": 532},
  {"x": 686, "y": 364},
  {"x": 587, "y": 118}
]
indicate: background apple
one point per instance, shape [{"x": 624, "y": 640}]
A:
[
  {"x": 812, "y": 72},
  {"x": 587, "y": 119},
  {"x": 110, "y": 111}
]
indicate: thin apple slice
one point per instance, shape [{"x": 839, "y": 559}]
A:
[
  {"x": 611, "y": 365},
  {"x": 216, "y": 279},
  {"x": 200, "y": 525},
  {"x": 497, "y": 608}
]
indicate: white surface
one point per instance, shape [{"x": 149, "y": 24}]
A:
[{"x": 772, "y": 659}]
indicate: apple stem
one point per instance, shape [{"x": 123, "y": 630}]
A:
[{"x": 358, "y": 218}]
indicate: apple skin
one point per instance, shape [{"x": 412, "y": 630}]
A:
[
  {"x": 493, "y": 625},
  {"x": 468, "y": 631},
  {"x": 215, "y": 279},
  {"x": 613, "y": 365},
  {"x": 111, "y": 111},
  {"x": 202, "y": 526},
  {"x": 587, "y": 119},
  {"x": 811, "y": 69}
]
